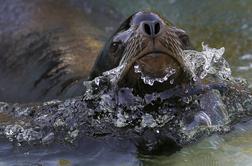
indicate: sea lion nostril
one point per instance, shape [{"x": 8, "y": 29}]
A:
[
  {"x": 157, "y": 28},
  {"x": 151, "y": 28},
  {"x": 147, "y": 29}
]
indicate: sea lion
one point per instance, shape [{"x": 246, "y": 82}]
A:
[
  {"x": 46, "y": 49},
  {"x": 50, "y": 60},
  {"x": 149, "y": 45},
  {"x": 145, "y": 44}
]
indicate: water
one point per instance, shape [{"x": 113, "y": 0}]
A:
[
  {"x": 231, "y": 149},
  {"x": 150, "y": 81},
  {"x": 90, "y": 152},
  {"x": 220, "y": 24},
  {"x": 62, "y": 126}
]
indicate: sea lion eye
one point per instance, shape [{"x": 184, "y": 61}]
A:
[{"x": 114, "y": 47}]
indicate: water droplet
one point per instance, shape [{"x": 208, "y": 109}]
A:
[
  {"x": 151, "y": 80},
  {"x": 194, "y": 79},
  {"x": 97, "y": 81},
  {"x": 171, "y": 81},
  {"x": 208, "y": 61},
  {"x": 148, "y": 121}
]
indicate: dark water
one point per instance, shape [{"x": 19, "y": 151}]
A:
[{"x": 217, "y": 23}]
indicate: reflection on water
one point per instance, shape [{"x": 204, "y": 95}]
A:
[
  {"x": 233, "y": 149},
  {"x": 243, "y": 67},
  {"x": 226, "y": 23},
  {"x": 89, "y": 152}
]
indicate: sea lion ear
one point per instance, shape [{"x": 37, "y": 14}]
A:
[
  {"x": 103, "y": 61},
  {"x": 125, "y": 25},
  {"x": 184, "y": 38}
]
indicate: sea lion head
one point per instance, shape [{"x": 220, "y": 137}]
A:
[{"x": 152, "y": 50}]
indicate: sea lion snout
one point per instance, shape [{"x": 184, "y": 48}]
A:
[
  {"x": 150, "y": 48},
  {"x": 157, "y": 59}
]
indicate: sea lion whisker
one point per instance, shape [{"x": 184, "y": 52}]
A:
[{"x": 129, "y": 51}]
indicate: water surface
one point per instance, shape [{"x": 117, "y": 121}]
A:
[{"x": 218, "y": 23}]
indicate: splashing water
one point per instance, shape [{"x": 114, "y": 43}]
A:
[
  {"x": 125, "y": 108},
  {"x": 209, "y": 61},
  {"x": 200, "y": 64},
  {"x": 150, "y": 80},
  {"x": 184, "y": 113}
]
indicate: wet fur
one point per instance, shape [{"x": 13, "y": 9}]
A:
[
  {"x": 174, "y": 39},
  {"x": 41, "y": 59},
  {"x": 44, "y": 54}
]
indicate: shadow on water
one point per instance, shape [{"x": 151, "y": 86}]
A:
[{"x": 226, "y": 23}]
